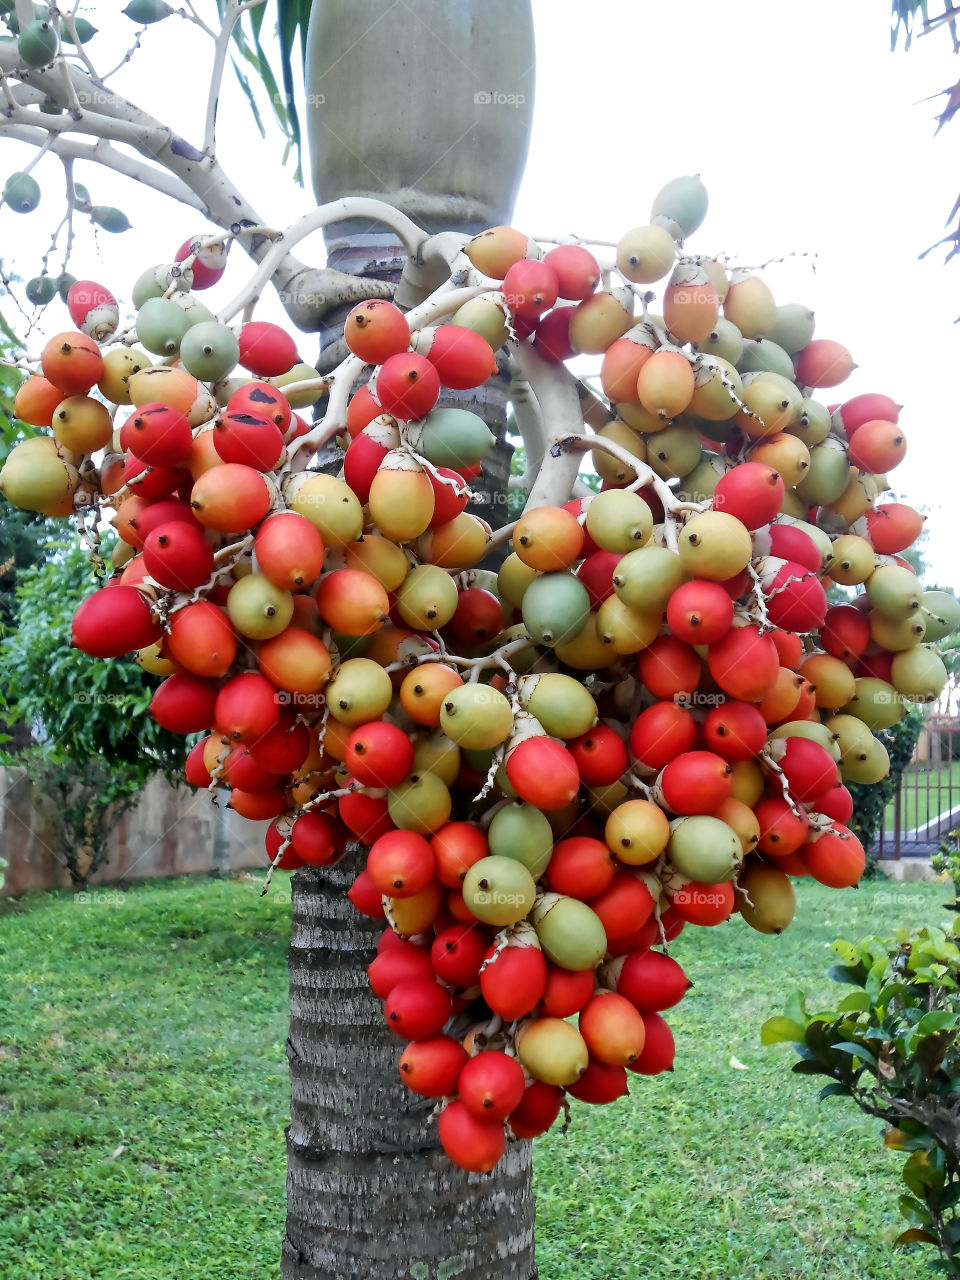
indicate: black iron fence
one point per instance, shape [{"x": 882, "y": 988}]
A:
[{"x": 927, "y": 806}]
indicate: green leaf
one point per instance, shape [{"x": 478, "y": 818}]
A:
[
  {"x": 796, "y": 1008},
  {"x": 251, "y": 100},
  {"x": 835, "y": 1090},
  {"x": 855, "y": 1002},
  {"x": 809, "y": 1067},
  {"x": 937, "y": 1020},
  {"x": 855, "y": 1051},
  {"x": 846, "y": 973},
  {"x": 778, "y": 1029},
  {"x": 914, "y": 1235}
]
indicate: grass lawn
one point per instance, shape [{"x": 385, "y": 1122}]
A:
[
  {"x": 925, "y": 794},
  {"x": 143, "y": 1098}
]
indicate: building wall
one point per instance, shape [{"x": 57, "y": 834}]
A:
[{"x": 171, "y": 831}]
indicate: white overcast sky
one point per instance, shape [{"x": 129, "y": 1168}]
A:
[{"x": 806, "y": 129}]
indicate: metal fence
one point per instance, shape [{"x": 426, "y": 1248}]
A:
[{"x": 927, "y": 806}]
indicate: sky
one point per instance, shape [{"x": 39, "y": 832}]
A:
[{"x": 808, "y": 132}]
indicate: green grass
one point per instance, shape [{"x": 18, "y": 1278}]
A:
[
  {"x": 156, "y": 1023},
  {"x": 925, "y": 794}
]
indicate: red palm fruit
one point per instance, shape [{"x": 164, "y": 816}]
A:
[
  {"x": 514, "y": 982},
  {"x": 751, "y": 491},
  {"x": 283, "y": 747},
  {"x": 781, "y": 701},
  {"x": 548, "y": 538},
  {"x": 530, "y": 288},
  {"x": 552, "y": 336},
  {"x": 566, "y": 991},
  {"x": 366, "y": 897},
  {"x": 576, "y": 508},
  {"x": 478, "y": 616},
  {"x": 266, "y": 349},
  {"x": 264, "y": 400},
  {"x": 242, "y": 772},
  {"x": 126, "y": 521},
  {"x": 366, "y": 452},
  {"x": 668, "y": 668},
  {"x": 361, "y": 410},
  {"x": 695, "y": 782},
  {"x": 612, "y": 1028},
  {"x": 72, "y": 362},
  {"x": 601, "y": 756},
  {"x": 462, "y": 357},
  {"x": 737, "y": 586},
  {"x": 178, "y": 555},
  {"x": 806, "y": 703},
  {"x": 154, "y": 514},
  {"x": 258, "y": 806},
  {"x": 867, "y": 407},
  {"x": 353, "y": 602},
  {"x": 580, "y": 867},
  {"x": 448, "y": 499},
  {"x": 404, "y": 963},
  {"x": 879, "y": 665},
  {"x": 289, "y": 860},
  {"x": 837, "y": 803},
  {"x": 472, "y": 1144},
  {"x": 376, "y": 329},
  {"x": 316, "y": 837},
  {"x": 789, "y": 647},
  {"x": 651, "y": 981},
  {"x": 596, "y": 574},
  {"x": 893, "y": 526},
  {"x": 823, "y": 363},
  {"x": 623, "y": 907},
  {"x": 877, "y": 447},
  {"x": 457, "y": 909},
  {"x": 230, "y": 498},
  {"x": 157, "y": 434},
  {"x": 543, "y": 772},
  {"x": 660, "y": 733},
  {"x": 735, "y": 730},
  {"x": 209, "y": 262},
  {"x": 704, "y": 904},
  {"x": 576, "y": 269},
  {"x": 432, "y": 1067},
  {"x": 782, "y": 831},
  {"x": 201, "y": 639},
  {"x": 744, "y": 663},
  {"x": 620, "y": 368},
  {"x": 134, "y": 572},
  {"x": 194, "y": 770},
  {"x": 114, "y": 621},
  {"x": 367, "y": 817},
  {"x": 491, "y": 1085},
  {"x": 247, "y": 707},
  {"x": 401, "y": 864},
  {"x": 789, "y": 543},
  {"x": 150, "y": 483},
  {"x": 537, "y": 1111},
  {"x": 835, "y": 857},
  {"x": 809, "y": 769},
  {"x": 417, "y": 1009},
  {"x": 247, "y": 438},
  {"x": 407, "y": 386},
  {"x": 296, "y": 661},
  {"x": 457, "y": 954},
  {"x": 456, "y": 847},
  {"x": 379, "y": 755},
  {"x": 796, "y": 601},
  {"x": 658, "y": 1047},
  {"x": 602, "y": 1082},
  {"x": 700, "y": 612},
  {"x": 36, "y": 400},
  {"x": 184, "y": 703}
]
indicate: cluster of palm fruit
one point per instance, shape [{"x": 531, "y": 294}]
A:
[{"x": 645, "y": 719}]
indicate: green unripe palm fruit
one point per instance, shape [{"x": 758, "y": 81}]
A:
[
  {"x": 21, "y": 193},
  {"x": 360, "y": 691},
  {"x": 452, "y": 438},
  {"x": 725, "y": 340},
  {"x": 876, "y": 703},
  {"x": 763, "y": 355},
  {"x": 427, "y": 598},
  {"x": 620, "y": 521},
  {"x": 704, "y": 849},
  {"x": 869, "y": 768},
  {"x": 564, "y": 707},
  {"x": 919, "y": 674},
  {"x": 793, "y": 327},
  {"x": 37, "y": 44},
  {"x": 476, "y": 717},
  {"x": 895, "y": 591},
  {"x": 209, "y": 350},
  {"x": 681, "y": 206},
  {"x": 110, "y": 218},
  {"x": 521, "y": 832},
  {"x": 161, "y": 326},
  {"x": 421, "y": 803},
  {"x": 41, "y": 290},
  {"x": 552, "y": 1051},
  {"x": 645, "y": 579},
  {"x": 766, "y": 899},
  {"x": 571, "y": 933},
  {"x": 555, "y": 608},
  {"x": 499, "y": 891},
  {"x": 943, "y": 614}
]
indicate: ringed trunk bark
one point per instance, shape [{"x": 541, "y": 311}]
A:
[{"x": 369, "y": 1191}]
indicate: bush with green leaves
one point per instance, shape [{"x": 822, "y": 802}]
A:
[
  {"x": 892, "y": 1045},
  {"x": 94, "y": 743}
]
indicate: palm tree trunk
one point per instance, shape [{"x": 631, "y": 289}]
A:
[{"x": 369, "y": 1192}]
